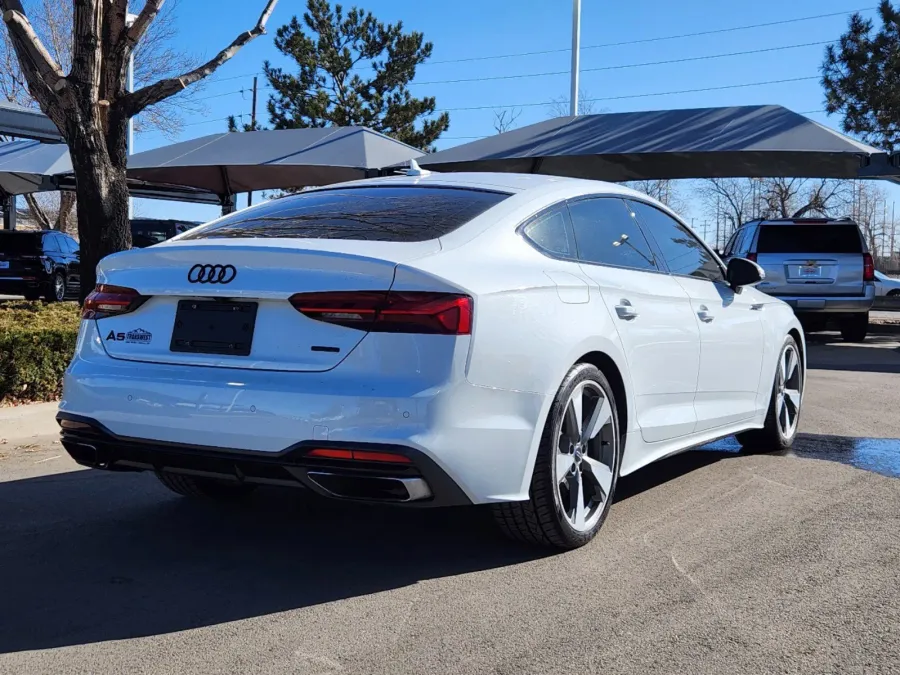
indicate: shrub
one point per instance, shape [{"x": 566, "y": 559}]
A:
[{"x": 36, "y": 344}]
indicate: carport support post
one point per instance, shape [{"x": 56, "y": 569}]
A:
[
  {"x": 227, "y": 202},
  {"x": 576, "y": 51},
  {"x": 9, "y": 212}
]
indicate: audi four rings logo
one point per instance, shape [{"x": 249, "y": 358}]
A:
[{"x": 212, "y": 274}]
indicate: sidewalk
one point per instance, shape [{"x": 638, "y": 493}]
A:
[{"x": 27, "y": 421}]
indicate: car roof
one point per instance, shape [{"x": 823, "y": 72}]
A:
[{"x": 505, "y": 182}]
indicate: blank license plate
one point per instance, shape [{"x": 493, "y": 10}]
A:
[
  {"x": 4, "y": 264},
  {"x": 209, "y": 327}
]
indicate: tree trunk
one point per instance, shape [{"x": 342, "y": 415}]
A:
[
  {"x": 64, "y": 216},
  {"x": 102, "y": 208}
]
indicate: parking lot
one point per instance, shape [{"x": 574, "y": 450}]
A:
[{"x": 710, "y": 562}]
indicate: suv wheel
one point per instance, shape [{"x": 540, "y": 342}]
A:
[
  {"x": 576, "y": 469},
  {"x": 57, "y": 290},
  {"x": 854, "y": 327},
  {"x": 203, "y": 488}
]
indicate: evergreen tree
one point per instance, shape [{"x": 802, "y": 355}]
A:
[
  {"x": 352, "y": 70},
  {"x": 861, "y": 77}
]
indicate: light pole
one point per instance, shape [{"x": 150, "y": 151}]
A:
[
  {"x": 129, "y": 20},
  {"x": 576, "y": 51}
]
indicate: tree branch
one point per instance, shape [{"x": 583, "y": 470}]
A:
[
  {"x": 22, "y": 32},
  {"x": 154, "y": 93},
  {"x": 145, "y": 18}
]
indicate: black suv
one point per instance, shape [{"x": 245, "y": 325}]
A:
[{"x": 39, "y": 264}]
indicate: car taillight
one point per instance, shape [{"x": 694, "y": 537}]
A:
[
  {"x": 107, "y": 300},
  {"x": 868, "y": 267},
  {"x": 751, "y": 257},
  {"x": 390, "y": 311}
]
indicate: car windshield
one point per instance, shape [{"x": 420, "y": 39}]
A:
[
  {"x": 809, "y": 238},
  {"x": 20, "y": 243},
  {"x": 395, "y": 213}
]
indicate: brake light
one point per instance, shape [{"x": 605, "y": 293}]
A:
[
  {"x": 868, "y": 267},
  {"x": 390, "y": 311},
  {"x": 751, "y": 257},
  {"x": 359, "y": 455},
  {"x": 107, "y": 300}
]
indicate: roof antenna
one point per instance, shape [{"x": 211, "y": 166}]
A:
[{"x": 414, "y": 169}]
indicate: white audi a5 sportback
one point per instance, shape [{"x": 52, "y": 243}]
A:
[{"x": 514, "y": 340}]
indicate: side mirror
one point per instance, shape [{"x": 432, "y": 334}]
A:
[{"x": 742, "y": 272}]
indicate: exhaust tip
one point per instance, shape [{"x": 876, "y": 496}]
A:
[{"x": 371, "y": 488}]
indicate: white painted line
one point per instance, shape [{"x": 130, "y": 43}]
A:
[{"x": 41, "y": 461}]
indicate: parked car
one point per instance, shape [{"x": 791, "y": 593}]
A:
[
  {"x": 39, "y": 264},
  {"x": 149, "y": 231},
  {"x": 820, "y": 267},
  {"x": 519, "y": 341},
  {"x": 886, "y": 286}
]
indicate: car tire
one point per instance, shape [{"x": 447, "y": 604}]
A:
[
  {"x": 893, "y": 294},
  {"x": 203, "y": 488},
  {"x": 775, "y": 436},
  {"x": 56, "y": 292},
  {"x": 565, "y": 471},
  {"x": 855, "y": 327}
]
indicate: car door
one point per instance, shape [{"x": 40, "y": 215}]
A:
[
  {"x": 651, "y": 311},
  {"x": 52, "y": 251},
  {"x": 730, "y": 323}
]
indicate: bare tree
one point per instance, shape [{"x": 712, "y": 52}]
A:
[
  {"x": 664, "y": 191},
  {"x": 154, "y": 58},
  {"x": 504, "y": 119},
  {"x": 729, "y": 201},
  {"x": 560, "y": 106},
  {"x": 91, "y": 107}
]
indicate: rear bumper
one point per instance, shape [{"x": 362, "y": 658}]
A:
[
  {"x": 18, "y": 285},
  {"x": 482, "y": 438},
  {"x": 825, "y": 303},
  {"x": 421, "y": 482}
]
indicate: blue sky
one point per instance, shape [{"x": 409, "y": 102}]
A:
[{"x": 496, "y": 27}]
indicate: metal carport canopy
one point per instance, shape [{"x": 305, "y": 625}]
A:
[
  {"x": 27, "y": 123},
  {"x": 31, "y": 166},
  {"x": 230, "y": 163},
  {"x": 742, "y": 141}
]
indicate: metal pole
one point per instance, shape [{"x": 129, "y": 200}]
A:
[
  {"x": 129, "y": 19},
  {"x": 576, "y": 52},
  {"x": 252, "y": 127},
  {"x": 9, "y": 212}
]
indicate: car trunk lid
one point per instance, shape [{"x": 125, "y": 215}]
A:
[{"x": 225, "y": 304}]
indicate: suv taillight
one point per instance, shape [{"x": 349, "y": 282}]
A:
[
  {"x": 751, "y": 257},
  {"x": 389, "y": 311},
  {"x": 868, "y": 267},
  {"x": 107, "y": 300}
]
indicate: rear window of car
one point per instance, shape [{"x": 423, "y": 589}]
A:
[
  {"x": 820, "y": 238},
  {"x": 399, "y": 214},
  {"x": 20, "y": 243}
]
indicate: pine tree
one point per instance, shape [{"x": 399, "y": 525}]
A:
[
  {"x": 352, "y": 70},
  {"x": 860, "y": 75}
]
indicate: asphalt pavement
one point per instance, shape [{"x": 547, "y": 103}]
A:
[{"x": 710, "y": 562}]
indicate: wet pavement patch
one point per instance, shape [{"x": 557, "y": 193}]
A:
[{"x": 879, "y": 455}]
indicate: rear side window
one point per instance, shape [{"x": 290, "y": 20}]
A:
[
  {"x": 810, "y": 238},
  {"x": 606, "y": 234},
  {"x": 550, "y": 232},
  {"x": 683, "y": 252},
  {"x": 399, "y": 214},
  {"x": 51, "y": 243},
  {"x": 15, "y": 243}
]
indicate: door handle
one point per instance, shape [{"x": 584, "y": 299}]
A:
[
  {"x": 704, "y": 314},
  {"x": 757, "y": 308},
  {"x": 625, "y": 310}
]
